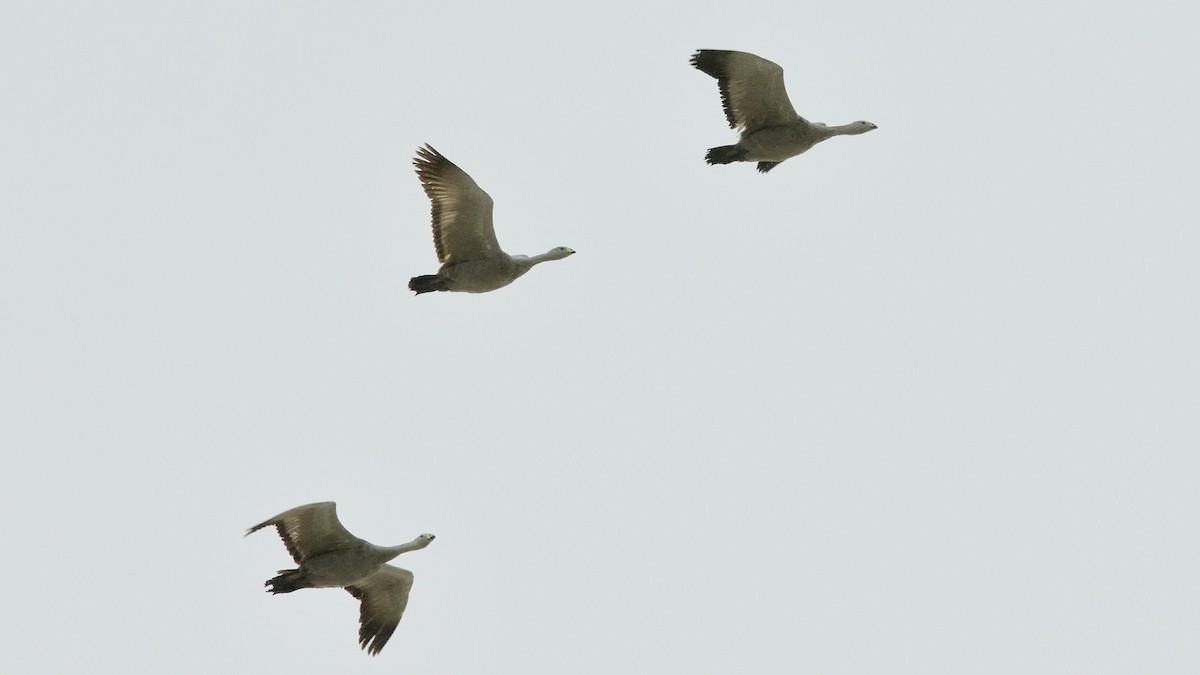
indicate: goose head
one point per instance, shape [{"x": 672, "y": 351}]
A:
[{"x": 416, "y": 544}]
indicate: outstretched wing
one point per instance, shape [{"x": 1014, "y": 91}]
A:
[
  {"x": 382, "y": 598},
  {"x": 752, "y": 91},
  {"x": 310, "y": 530},
  {"x": 462, "y": 211}
]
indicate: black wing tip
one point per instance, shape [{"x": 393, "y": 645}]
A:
[
  {"x": 373, "y": 635},
  {"x": 710, "y": 61},
  {"x": 426, "y": 156},
  {"x": 256, "y": 528},
  {"x": 428, "y": 159},
  {"x": 372, "y": 649},
  {"x": 430, "y": 164},
  {"x": 372, "y": 644}
]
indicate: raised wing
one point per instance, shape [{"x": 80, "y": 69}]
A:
[
  {"x": 462, "y": 211},
  {"x": 382, "y": 599},
  {"x": 310, "y": 530},
  {"x": 752, "y": 91}
]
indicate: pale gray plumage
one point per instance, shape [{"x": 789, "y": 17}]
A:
[
  {"x": 330, "y": 557},
  {"x": 463, "y": 234},
  {"x": 756, "y": 104}
]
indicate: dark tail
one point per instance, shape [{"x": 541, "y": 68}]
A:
[
  {"x": 427, "y": 283},
  {"x": 287, "y": 581},
  {"x": 725, "y": 154}
]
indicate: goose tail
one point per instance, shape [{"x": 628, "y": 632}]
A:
[
  {"x": 287, "y": 581},
  {"x": 725, "y": 154},
  {"x": 427, "y": 283}
]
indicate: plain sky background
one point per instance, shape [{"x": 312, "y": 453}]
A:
[{"x": 917, "y": 402}]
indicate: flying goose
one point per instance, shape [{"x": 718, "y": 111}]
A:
[
  {"x": 757, "y": 104},
  {"x": 330, "y": 557},
  {"x": 472, "y": 261}
]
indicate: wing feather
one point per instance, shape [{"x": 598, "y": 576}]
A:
[
  {"x": 382, "y": 598},
  {"x": 462, "y": 211},
  {"x": 310, "y": 530},
  {"x": 752, "y": 90}
]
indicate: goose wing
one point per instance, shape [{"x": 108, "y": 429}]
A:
[
  {"x": 752, "y": 91},
  {"x": 462, "y": 211},
  {"x": 382, "y": 598},
  {"x": 310, "y": 530}
]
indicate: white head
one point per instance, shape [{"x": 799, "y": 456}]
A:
[
  {"x": 414, "y": 545},
  {"x": 558, "y": 253},
  {"x": 860, "y": 127}
]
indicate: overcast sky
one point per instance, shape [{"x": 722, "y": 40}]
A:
[{"x": 921, "y": 401}]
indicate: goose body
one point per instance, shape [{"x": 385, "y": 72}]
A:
[
  {"x": 756, "y": 103},
  {"x": 463, "y": 234},
  {"x": 329, "y": 556}
]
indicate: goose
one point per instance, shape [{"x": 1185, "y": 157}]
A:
[
  {"x": 757, "y": 104},
  {"x": 463, "y": 236},
  {"x": 330, "y": 557}
]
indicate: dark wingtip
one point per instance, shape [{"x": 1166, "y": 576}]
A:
[
  {"x": 709, "y": 61},
  {"x": 425, "y": 157}
]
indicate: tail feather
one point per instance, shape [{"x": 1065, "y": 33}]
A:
[
  {"x": 725, "y": 154},
  {"x": 427, "y": 283},
  {"x": 287, "y": 581}
]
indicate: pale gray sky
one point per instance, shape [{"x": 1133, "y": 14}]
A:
[{"x": 921, "y": 401}]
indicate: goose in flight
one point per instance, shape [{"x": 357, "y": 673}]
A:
[
  {"x": 757, "y": 104},
  {"x": 471, "y": 258},
  {"x": 330, "y": 557}
]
